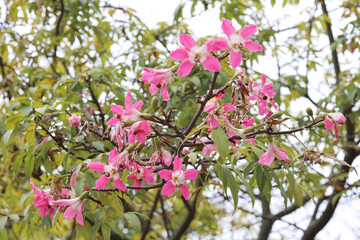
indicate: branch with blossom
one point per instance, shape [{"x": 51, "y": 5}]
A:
[{"x": 218, "y": 126}]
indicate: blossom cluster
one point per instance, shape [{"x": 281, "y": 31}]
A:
[{"x": 134, "y": 130}]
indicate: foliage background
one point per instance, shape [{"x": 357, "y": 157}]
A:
[{"x": 75, "y": 56}]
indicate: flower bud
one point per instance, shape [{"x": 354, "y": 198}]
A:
[
  {"x": 84, "y": 195},
  {"x": 47, "y": 117},
  {"x": 155, "y": 102},
  {"x": 309, "y": 111},
  {"x": 157, "y": 142},
  {"x": 277, "y": 115}
]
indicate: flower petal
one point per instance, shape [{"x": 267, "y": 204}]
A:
[
  {"x": 267, "y": 158},
  {"x": 247, "y": 31},
  {"x": 328, "y": 124},
  {"x": 179, "y": 54},
  {"x": 164, "y": 92},
  {"x": 118, "y": 109},
  {"x": 250, "y": 45},
  {"x": 185, "y": 68},
  {"x": 190, "y": 174},
  {"x": 118, "y": 183},
  {"x": 227, "y": 27},
  {"x": 101, "y": 182},
  {"x": 185, "y": 191},
  {"x": 165, "y": 174},
  {"x": 153, "y": 89},
  {"x": 211, "y": 63},
  {"x": 187, "y": 41},
  {"x": 177, "y": 164},
  {"x": 235, "y": 58},
  {"x": 168, "y": 189},
  {"x": 337, "y": 118},
  {"x": 217, "y": 45},
  {"x": 336, "y": 131},
  {"x": 138, "y": 105},
  {"x": 113, "y": 121},
  {"x": 96, "y": 166}
]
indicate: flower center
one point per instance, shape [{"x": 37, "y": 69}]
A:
[
  {"x": 178, "y": 178},
  {"x": 197, "y": 54},
  {"x": 139, "y": 173},
  {"x": 109, "y": 170},
  {"x": 236, "y": 42}
]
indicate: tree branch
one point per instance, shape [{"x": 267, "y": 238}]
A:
[{"x": 331, "y": 40}]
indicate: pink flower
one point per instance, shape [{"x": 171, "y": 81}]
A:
[
  {"x": 119, "y": 134},
  {"x": 177, "y": 179},
  {"x": 236, "y": 41},
  {"x": 110, "y": 171},
  {"x": 192, "y": 54},
  {"x": 209, "y": 148},
  {"x": 333, "y": 119},
  {"x": 124, "y": 161},
  {"x": 161, "y": 155},
  {"x": 252, "y": 140},
  {"x": 262, "y": 94},
  {"x": 140, "y": 174},
  {"x": 269, "y": 156},
  {"x": 74, "y": 209},
  {"x": 130, "y": 113},
  {"x": 43, "y": 201},
  {"x": 157, "y": 78},
  {"x": 248, "y": 122},
  {"x": 74, "y": 120},
  {"x": 219, "y": 114},
  {"x": 37, "y": 145},
  {"x": 139, "y": 131}
]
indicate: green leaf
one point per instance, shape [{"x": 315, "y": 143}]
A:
[
  {"x": 249, "y": 167},
  {"x": 133, "y": 220},
  {"x": 234, "y": 188},
  {"x": 90, "y": 179},
  {"x": 280, "y": 186},
  {"x": 79, "y": 186},
  {"x": 247, "y": 186},
  {"x": 273, "y": 2},
  {"x": 3, "y": 220},
  {"x": 85, "y": 230},
  {"x": 225, "y": 177},
  {"x": 99, "y": 145},
  {"x": 106, "y": 231},
  {"x": 7, "y": 136},
  {"x": 29, "y": 161},
  {"x": 193, "y": 157},
  {"x": 221, "y": 142},
  {"x": 260, "y": 177},
  {"x": 299, "y": 197}
]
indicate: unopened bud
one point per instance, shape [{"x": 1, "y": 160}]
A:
[
  {"x": 277, "y": 115},
  {"x": 320, "y": 124},
  {"x": 175, "y": 68},
  {"x": 157, "y": 142},
  {"x": 155, "y": 102},
  {"x": 309, "y": 111},
  {"x": 47, "y": 117},
  {"x": 84, "y": 195},
  {"x": 322, "y": 115}
]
